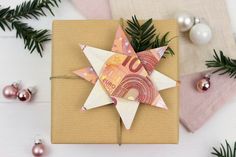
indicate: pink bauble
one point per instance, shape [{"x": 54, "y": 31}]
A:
[
  {"x": 203, "y": 84},
  {"x": 38, "y": 150},
  {"x": 24, "y": 95},
  {"x": 10, "y": 91}
]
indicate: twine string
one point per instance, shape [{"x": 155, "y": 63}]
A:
[
  {"x": 64, "y": 77},
  {"x": 119, "y": 126}
]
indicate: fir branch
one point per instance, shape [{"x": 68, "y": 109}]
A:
[
  {"x": 141, "y": 35},
  {"x": 223, "y": 64},
  {"x": 4, "y": 23},
  {"x": 225, "y": 151},
  {"x": 163, "y": 41},
  {"x": 33, "y": 39},
  {"x": 144, "y": 36},
  {"x": 33, "y": 9}
]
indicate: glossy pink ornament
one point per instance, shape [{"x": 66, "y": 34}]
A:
[
  {"x": 25, "y": 95},
  {"x": 38, "y": 148},
  {"x": 203, "y": 84},
  {"x": 10, "y": 91}
]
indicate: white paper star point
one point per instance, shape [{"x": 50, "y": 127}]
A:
[{"x": 100, "y": 97}]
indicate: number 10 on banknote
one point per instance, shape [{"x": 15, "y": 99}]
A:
[{"x": 125, "y": 77}]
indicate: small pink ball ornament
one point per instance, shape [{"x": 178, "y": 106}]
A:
[
  {"x": 38, "y": 149},
  {"x": 10, "y": 91},
  {"x": 203, "y": 84},
  {"x": 25, "y": 95}
]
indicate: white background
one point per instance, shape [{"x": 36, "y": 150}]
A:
[{"x": 20, "y": 123}]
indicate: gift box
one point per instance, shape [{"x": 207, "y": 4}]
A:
[{"x": 103, "y": 125}]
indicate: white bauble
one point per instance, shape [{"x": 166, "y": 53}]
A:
[
  {"x": 200, "y": 34},
  {"x": 184, "y": 20}
]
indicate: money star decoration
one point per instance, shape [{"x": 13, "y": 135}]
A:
[{"x": 124, "y": 78}]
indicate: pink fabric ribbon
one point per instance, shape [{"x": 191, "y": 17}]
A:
[
  {"x": 91, "y": 9},
  {"x": 196, "y": 108}
]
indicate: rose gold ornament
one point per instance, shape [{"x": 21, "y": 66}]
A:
[
  {"x": 25, "y": 95},
  {"x": 38, "y": 148},
  {"x": 10, "y": 91},
  {"x": 203, "y": 84}
]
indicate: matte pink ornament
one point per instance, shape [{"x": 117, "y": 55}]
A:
[
  {"x": 38, "y": 149},
  {"x": 10, "y": 91}
]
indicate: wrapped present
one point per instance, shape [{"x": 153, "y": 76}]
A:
[{"x": 113, "y": 115}]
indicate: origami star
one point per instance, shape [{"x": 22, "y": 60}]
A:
[{"x": 124, "y": 78}]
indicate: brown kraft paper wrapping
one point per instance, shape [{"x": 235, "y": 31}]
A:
[{"x": 102, "y": 125}]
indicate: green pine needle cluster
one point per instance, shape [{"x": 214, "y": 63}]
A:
[
  {"x": 143, "y": 36},
  {"x": 163, "y": 41},
  {"x": 225, "y": 151},
  {"x": 11, "y": 19},
  {"x": 33, "y": 39},
  {"x": 223, "y": 64}
]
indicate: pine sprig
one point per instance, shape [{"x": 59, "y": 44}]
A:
[
  {"x": 223, "y": 64},
  {"x": 4, "y": 23},
  {"x": 144, "y": 36},
  {"x": 225, "y": 151},
  {"x": 163, "y": 41},
  {"x": 33, "y": 39},
  {"x": 141, "y": 35},
  {"x": 33, "y": 9}
]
